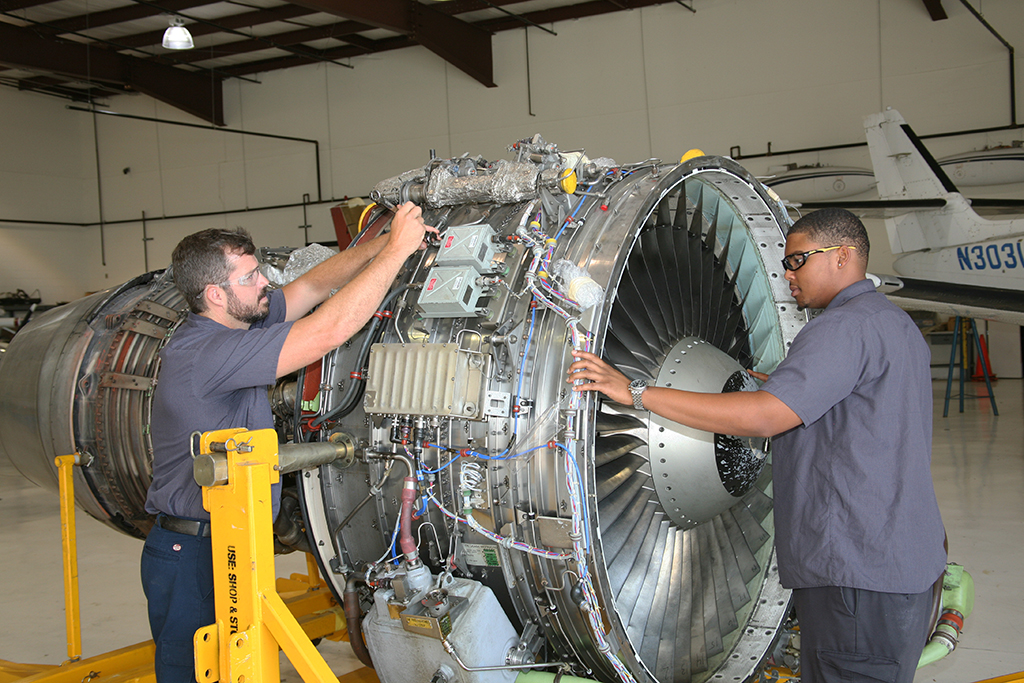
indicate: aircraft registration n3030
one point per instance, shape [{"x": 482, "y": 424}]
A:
[{"x": 1002, "y": 256}]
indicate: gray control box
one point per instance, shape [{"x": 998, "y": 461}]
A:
[
  {"x": 467, "y": 245},
  {"x": 450, "y": 292}
]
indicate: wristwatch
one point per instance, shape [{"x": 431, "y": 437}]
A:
[{"x": 637, "y": 388}]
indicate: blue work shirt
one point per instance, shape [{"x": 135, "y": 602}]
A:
[
  {"x": 854, "y": 501},
  {"x": 211, "y": 377}
]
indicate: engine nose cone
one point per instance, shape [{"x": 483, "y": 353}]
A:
[{"x": 697, "y": 474}]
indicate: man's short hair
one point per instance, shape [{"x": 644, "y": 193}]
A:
[
  {"x": 832, "y": 227},
  {"x": 201, "y": 259}
]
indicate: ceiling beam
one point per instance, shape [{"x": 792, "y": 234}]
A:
[
  {"x": 232, "y": 21},
  {"x": 117, "y": 15},
  {"x": 338, "y": 30},
  {"x": 462, "y": 6},
  {"x": 463, "y": 45},
  {"x": 199, "y": 95},
  {"x": 363, "y": 47},
  {"x": 11, "y": 5},
  {"x": 94, "y": 89},
  {"x": 935, "y": 10},
  {"x": 566, "y": 13}
]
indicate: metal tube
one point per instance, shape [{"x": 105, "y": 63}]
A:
[
  {"x": 450, "y": 649},
  {"x": 202, "y": 214},
  {"x": 99, "y": 189},
  {"x": 410, "y": 469},
  {"x": 548, "y": 677},
  {"x": 300, "y": 456}
]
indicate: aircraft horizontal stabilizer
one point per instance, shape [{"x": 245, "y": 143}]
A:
[
  {"x": 891, "y": 208},
  {"x": 1001, "y": 305}
]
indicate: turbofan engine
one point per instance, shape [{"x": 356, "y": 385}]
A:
[{"x": 495, "y": 521}]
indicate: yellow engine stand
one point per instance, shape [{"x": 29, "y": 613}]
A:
[
  {"x": 252, "y": 619},
  {"x": 266, "y": 612}
]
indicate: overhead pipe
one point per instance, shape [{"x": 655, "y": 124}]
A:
[
  {"x": 99, "y": 189},
  {"x": 201, "y": 214}
]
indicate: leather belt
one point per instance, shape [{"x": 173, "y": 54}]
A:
[{"x": 188, "y": 527}]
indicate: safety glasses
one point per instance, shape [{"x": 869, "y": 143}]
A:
[
  {"x": 247, "y": 280},
  {"x": 796, "y": 261}
]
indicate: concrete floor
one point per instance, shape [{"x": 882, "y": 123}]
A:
[{"x": 978, "y": 467}]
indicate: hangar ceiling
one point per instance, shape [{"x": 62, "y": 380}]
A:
[{"x": 84, "y": 49}]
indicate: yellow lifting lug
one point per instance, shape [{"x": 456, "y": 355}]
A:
[{"x": 207, "y": 654}]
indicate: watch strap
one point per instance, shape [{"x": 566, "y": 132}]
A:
[{"x": 638, "y": 395}]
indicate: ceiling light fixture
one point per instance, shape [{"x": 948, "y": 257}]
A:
[{"x": 177, "y": 37}]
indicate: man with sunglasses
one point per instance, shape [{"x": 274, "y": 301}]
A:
[
  {"x": 859, "y": 536},
  {"x": 239, "y": 337}
]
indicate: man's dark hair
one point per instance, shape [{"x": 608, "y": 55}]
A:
[
  {"x": 832, "y": 227},
  {"x": 201, "y": 259}
]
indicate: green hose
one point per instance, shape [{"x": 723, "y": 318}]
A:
[
  {"x": 957, "y": 604},
  {"x": 547, "y": 677}
]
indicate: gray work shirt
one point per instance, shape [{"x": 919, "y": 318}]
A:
[
  {"x": 211, "y": 377},
  {"x": 854, "y": 500}
]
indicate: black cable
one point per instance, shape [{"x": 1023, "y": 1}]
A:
[
  {"x": 300, "y": 383},
  {"x": 354, "y": 391}
]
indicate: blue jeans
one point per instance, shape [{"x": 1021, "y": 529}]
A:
[{"x": 177, "y": 577}]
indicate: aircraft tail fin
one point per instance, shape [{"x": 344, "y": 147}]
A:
[{"x": 904, "y": 168}]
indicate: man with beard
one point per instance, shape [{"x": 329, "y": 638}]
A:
[{"x": 237, "y": 340}]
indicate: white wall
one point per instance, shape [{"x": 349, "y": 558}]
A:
[
  {"x": 47, "y": 173},
  {"x": 630, "y": 85}
]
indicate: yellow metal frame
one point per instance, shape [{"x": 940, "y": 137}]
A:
[
  {"x": 300, "y": 608},
  {"x": 252, "y": 618},
  {"x": 130, "y": 664}
]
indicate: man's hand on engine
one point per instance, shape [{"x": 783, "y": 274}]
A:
[{"x": 408, "y": 229}]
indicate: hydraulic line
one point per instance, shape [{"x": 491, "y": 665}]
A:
[{"x": 354, "y": 621}]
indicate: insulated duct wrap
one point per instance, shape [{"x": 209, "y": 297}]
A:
[{"x": 507, "y": 182}]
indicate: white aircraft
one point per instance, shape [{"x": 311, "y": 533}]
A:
[{"x": 953, "y": 260}]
